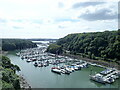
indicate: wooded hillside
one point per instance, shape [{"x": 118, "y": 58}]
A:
[
  {"x": 10, "y": 80},
  {"x": 12, "y": 44},
  {"x": 97, "y": 45}
]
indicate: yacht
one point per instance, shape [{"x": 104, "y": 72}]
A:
[
  {"x": 35, "y": 64},
  {"x": 56, "y": 70},
  {"x": 28, "y": 60},
  {"x": 98, "y": 78}
]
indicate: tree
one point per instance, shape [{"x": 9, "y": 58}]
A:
[
  {"x": 13, "y": 44},
  {"x": 56, "y": 49},
  {"x": 9, "y": 78},
  {"x": 97, "y": 45}
]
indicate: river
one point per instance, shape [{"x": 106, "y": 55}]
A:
[{"x": 42, "y": 77}]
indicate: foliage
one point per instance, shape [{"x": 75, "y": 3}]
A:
[
  {"x": 9, "y": 78},
  {"x": 6, "y": 86},
  {"x": 7, "y": 64},
  {"x": 97, "y": 45},
  {"x": 12, "y": 44},
  {"x": 53, "y": 48}
]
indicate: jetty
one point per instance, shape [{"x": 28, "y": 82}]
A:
[
  {"x": 65, "y": 65},
  {"x": 107, "y": 76}
]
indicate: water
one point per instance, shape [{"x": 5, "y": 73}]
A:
[
  {"x": 42, "y": 77},
  {"x": 40, "y": 42}
]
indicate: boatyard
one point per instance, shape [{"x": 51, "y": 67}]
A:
[{"x": 64, "y": 65}]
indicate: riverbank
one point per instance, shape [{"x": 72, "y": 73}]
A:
[
  {"x": 38, "y": 76},
  {"x": 3, "y": 52},
  {"x": 100, "y": 62},
  {"x": 23, "y": 83}
]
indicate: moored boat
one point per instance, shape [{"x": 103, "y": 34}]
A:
[
  {"x": 67, "y": 72},
  {"x": 109, "y": 80},
  {"x": 56, "y": 70},
  {"x": 28, "y": 60},
  {"x": 98, "y": 78},
  {"x": 35, "y": 64}
]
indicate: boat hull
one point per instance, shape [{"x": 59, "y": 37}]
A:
[{"x": 56, "y": 71}]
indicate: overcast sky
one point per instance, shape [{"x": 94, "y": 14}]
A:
[{"x": 56, "y": 18}]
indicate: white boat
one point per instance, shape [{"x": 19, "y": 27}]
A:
[
  {"x": 40, "y": 65},
  {"x": 109, "y": 80},
  {"x": 93, "y": 64},
  {"x": 63, "y": 71},
  {"x": 68, "y": 69},
  {"x": 28, "y": 60},
  {"x": 81, "y": 66},
  {"x": 18, "y": 54},
  {"x": 107, "y": 71},
  {"x": 98, "y": 78},
  {"x": 75, "y": 67},
  {"x": 114, "y": 76},
  {"x": 56, "y": 70},
  {"x": 72, "y": 69}
]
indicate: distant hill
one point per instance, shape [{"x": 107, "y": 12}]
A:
[
  {"x": 96, "y": 45},
  {"x": 40, "y": 39},
  {"x": 13, "y": 44}
]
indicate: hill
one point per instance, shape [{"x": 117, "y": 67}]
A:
[
  {"x": 9, "y": 80},
  {"x": 96, "y": 45},
  {"x": 13, "y": 44}
]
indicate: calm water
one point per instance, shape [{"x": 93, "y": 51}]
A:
[{"x": 42, "y": 77}]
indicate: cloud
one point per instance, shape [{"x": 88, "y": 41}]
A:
[
  {"x": 16, "y": 27},
  {"x": 86, "y": 4},
  {"x": 3, "y": 20},
  {"x": 54, "y": 18},
  {"x": 100, "y": 14},
  {"x": 18, "y": 20},
  {"x": 61, "y": 27},
  {"x": 60, "y": 5},
  {"x": 37, "y": 21},
  {"x": 66, "y": 19}
]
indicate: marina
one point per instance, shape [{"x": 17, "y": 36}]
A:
[
  {"x": 60, "y": 44},
  {"x": 42, "y": 69},
  {"x": 106, "y": 76}
]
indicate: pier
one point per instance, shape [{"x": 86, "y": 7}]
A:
[
  {"x": 50, "y": 65},
  {"x": 109, "y": 76}
]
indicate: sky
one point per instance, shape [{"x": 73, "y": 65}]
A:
[{"x": 56, "y": 18}]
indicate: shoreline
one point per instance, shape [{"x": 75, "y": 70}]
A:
[
  {"x": 23, "y": 83},
  {"x": 3, "y": 52},
  {"x": 100, "y": 62}
]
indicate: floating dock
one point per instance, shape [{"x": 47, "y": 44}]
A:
[{"x": 106, "y": 76}]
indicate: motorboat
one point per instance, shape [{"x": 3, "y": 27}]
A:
[
  {"x": 98, "y": 78},
  {"x": 56, "y": 70},
  {"x": 35, "y": 64},
  {"x": 110, "y": 80},
  {"x": 107, "y": 71},
  {"x": 28, "y": 60}
]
